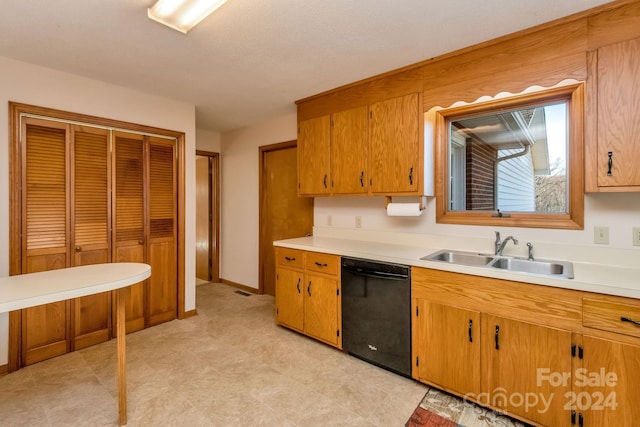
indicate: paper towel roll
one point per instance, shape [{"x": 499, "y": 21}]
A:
[{"x": 404, "y": 209}]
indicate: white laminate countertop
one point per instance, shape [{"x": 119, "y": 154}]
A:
[
  {"x": 28, "y": 290},
  {"x": 590, "y": 277}
]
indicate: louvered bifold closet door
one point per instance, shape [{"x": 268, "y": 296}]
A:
[
  {"x": 162, "y": 233},
  {"x": 129, "y": 219},
  {"x": 46, "y": 329},
  {"x": 90, "y": 218}
]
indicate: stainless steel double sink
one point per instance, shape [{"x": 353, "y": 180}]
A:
[{"x": 541, "y": 267}]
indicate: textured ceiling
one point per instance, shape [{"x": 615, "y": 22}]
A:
[{"x": 251, "y": 59}]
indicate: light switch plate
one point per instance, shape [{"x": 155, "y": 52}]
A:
[
  {"x": 329, "y": 220},
  {"x": 636, "y": 236},
  {"x": 601, "y": 235},
  {"x": 358, "y": 221}
]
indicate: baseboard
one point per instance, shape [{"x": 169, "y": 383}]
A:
[
  {"x": 4, "y": 370},
  {"x": 240, "y": 286},
  {"x": 190, "y": 313}
]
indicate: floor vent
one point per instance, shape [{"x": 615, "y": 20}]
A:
[{"x": 244, "y": 294}]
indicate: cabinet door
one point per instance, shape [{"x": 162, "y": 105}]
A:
[
  {"x": 129, "y": 220},
  {"x": 321, "y": 308},
  {"x": 619, "y": 114},
  {"x": 46, "y": 329},
  {"x": 289, "y": 298},
  {"x": 349, "y": 151},
  {"x": 518, "y": 359},
  {"x": 90, "y": 209},
  {"x": 610, "y": 377},
  {"x": 448, "y": 346},
  {"x": 163, "y": 289},
  {"x": 394, "y": 157},
  {"x": 314, "y": 156}
]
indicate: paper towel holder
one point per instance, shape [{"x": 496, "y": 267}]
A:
[{"x": 423, "y": 202}]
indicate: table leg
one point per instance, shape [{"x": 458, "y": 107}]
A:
[{"x": 122, "y": 374}]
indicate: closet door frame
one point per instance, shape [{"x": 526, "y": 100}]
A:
[{"x": 16, "y": 111}]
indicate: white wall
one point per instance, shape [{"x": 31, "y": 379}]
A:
[
  {"x": 207, "y": 140},
  {"x": 30, "y": 84},
  {"x": 618, "y": 211},
  {"x": 239, "y": 204}
]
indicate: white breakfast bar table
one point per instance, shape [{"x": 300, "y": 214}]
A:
[{"x": 29, "y": 290}]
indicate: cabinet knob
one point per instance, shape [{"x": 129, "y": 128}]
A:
[
  {"x": 319, "y": 264},
  {"x": 610, "y": 162},
  {"x": 626, "y": 319},
  {"x": 497, "y": 337},
  {"x": 298, "y": 285},
  {"x": 78, "y": 248},
  {"x": 309, "y": 288},
  {"x": 324, "y": 181},
  {"x": 411, "y": 176},
  {"x": 141, "y": 242},
  {"x": 362, "y": 179},
  {"x": 289, "y": 258}
]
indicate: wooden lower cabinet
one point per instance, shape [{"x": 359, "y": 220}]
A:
[
  {"x": 519, "y": 359},
  {"x": 438, "y": 330},
  {"x": 308, "y": 294},
  {"x": 610, "y": 383},
  {"x": 548, "y": 356}
]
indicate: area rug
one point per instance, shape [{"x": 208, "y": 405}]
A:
[{"x": 440, "y": 409}]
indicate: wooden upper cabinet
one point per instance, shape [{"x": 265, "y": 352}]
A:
[
  {"x": 618, "y": 106},
  {"x": 395, "y": 152},
  {"x": 349, "y": 149},
  {"x": 314, "y": 156}
]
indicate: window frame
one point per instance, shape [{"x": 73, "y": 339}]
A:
[{"x": 573, "y": 219}]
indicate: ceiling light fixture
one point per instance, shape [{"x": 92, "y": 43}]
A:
[{"x": 182, "y": 15}]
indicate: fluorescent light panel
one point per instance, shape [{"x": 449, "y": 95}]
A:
[{"x": 182, "y": 15}]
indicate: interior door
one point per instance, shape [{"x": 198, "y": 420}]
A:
[
  {"x": 90, "y": 218},
  {"x": 46, "y": 329},
  {"x": 203, "y": 218},
  {"x": 130, "y": 220},
  {"x": 162, "y": 296},
  {"x": 283, "y": 215}
]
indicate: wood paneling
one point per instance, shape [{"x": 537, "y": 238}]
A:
[{"x": 614, "y": 25}]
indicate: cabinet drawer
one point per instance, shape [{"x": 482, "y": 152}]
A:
[
  {"x": 322, "y": 263},
  {"x": 289, "y": 257},
  {"x": 612, "y": 316}
]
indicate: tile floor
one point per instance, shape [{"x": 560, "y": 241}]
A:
[{"x": 228, "y": 366}]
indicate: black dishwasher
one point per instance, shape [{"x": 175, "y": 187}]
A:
[{"x": 376, "y": 313}]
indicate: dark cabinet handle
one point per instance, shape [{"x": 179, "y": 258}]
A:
[
  {"x": 289, "y": 259},
  {"x": 298, "y": 285},
  {"x": 497, "y": 337},
  {"x": 309, "y": 288},
  {"x": 321, "y": 265},
  {"x": 362, "y": 179},
  {"x": 573, "y": 418},
  {"x": 324, "y": 181},
  {"x": 626, "y": 319},
  {"x": 411, "y": 176},
  {"x": 470, "y": 330},
  {"x": 580, "y": 420},
  {"x": 610, "y": 162}
]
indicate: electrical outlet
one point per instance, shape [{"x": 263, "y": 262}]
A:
[
  {"x": 329, "y": 220},
  {"x": 358, "y": 221},
  {"x": 601, "y": 235},
  {"x": 636, "y": 236}
]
